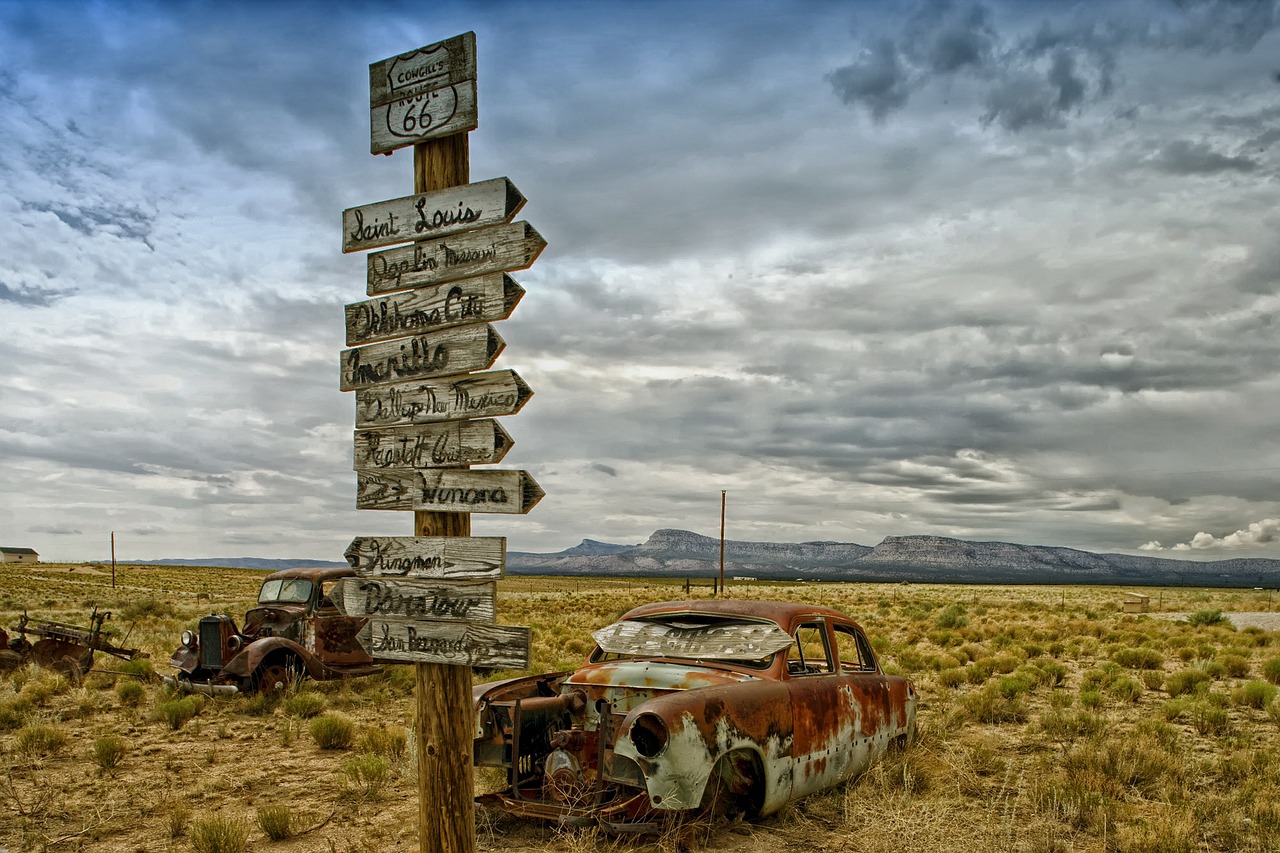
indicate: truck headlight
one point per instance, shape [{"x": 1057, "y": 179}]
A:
[{"x": 189, "y": 639}]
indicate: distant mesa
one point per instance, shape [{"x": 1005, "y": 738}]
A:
[
  {"x": 918, "y": 559},
  {"x": 267, "y": 565}
]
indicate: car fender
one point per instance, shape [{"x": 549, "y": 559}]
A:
[
  {"x": 704, "y": 725},
  {"x": 244, "y": 664}
]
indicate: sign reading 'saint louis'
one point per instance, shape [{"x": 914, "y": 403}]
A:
[
  {"x": 423, "y": 94},
  {"x": 423, "y": 215}
]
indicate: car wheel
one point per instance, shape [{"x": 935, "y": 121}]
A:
[
  {"x": 274, "y": 675},
  {"x": 735, "y": 788}
]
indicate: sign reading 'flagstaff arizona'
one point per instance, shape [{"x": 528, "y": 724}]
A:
[
  {"x": 416, "y": 599},
  {"x": 452, "y": 398},
  {"x": 437, "y": 214},
  {"x": 483, "y": 299},
  {"x": 435, "y": 354},
  {"x": 423, "y": 94},
  {"x": 473, "y": 557},
  {"x": 460, "y": 643},
  {"x": 447, "y": 490},
  {"x": 446, "y": 445},
  {"x": 496, "y": 248}
]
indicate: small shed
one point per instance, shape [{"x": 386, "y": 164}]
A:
[
  {"x": 18, "y": 555},
  {"x": 1136, "y": 602}
]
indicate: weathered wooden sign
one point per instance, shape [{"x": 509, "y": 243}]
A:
[
  {"x": 474, "y": 557},
  {"x": 451, "y": 398},
  {"x": 495, "y": 248},
  {"x": 458, "y": 643},
  {"x": 449, "y": 351},
  {"x": 447, "y": 490},
  {"x": 447, "y": 445},
  {"x": 423, "y": 215},
  {"x": 423, "y": 94},
  {"x": 399, "y": 598},
  {"x": 483, "y": 299}
]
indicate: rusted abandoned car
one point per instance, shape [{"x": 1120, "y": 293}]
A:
[
  {"x": 728, "y": 707},
  {"x": 294, "y": 630}
]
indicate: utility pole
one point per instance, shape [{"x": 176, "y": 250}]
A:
[
  {"x": 113, "y": 559},
  {"x": 722, "y": 499}
]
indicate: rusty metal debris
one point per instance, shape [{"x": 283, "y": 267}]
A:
[
  {"x": 694, "y": 707},
  {"x": 66, "y": 648}
]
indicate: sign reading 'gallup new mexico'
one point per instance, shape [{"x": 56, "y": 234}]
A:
[
  {"x": 496, "y": 248},
  {"x": 437, "y": 214},
  {"x": 452, "y": 398},
  {"x": 423, "y": 94}
]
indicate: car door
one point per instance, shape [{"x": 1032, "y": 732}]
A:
[
  {"x": 825, "y": 715},
  {"x": 867, "y": 689}
]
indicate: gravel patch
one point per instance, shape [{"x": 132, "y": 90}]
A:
[{"x": 1256, "y": 619}]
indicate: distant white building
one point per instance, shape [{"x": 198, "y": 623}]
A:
[{"x": 18, "y": 555}]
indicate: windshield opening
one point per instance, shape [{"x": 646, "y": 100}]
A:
[{"x": 288, "y": 591}]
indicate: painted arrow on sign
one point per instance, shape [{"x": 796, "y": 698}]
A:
[
  {"x": 447, "y": 445},
  {"x": 449, "y": 351},
  {"x": 461, "y": 643},
  {"x": 474, "y": 557},
  {"x": 436, "y": 214},
  {"x": 448, "y": 490},
  {"x": 423, "y": 94},
  {"x": 482, "y": 299},
  {"x": 456, "y": 601},
  {"x": 451, "y": 398},
  {"x": 497, "y": 248}
]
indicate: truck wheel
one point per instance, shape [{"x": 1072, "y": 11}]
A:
[{"x": 275, "y": 674}]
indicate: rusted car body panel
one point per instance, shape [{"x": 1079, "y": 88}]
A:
[
  {"x": 295, "y": 630},
  {"x": 668, "y": 716}
]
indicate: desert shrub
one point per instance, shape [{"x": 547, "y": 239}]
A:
[
  {"x": 219, "y": 835},
  {"x": 911, "y": 661},
  {"x": 14, "y": 713},
  {"x": 1176, "y": 709},
  {"x": 388, "y": 742},
  {"x": 140, "y": 668},
  {"x": 276, "y": 822},
  {"x": 1206, "y": 617},
  {"x": 38, "y": 740},
  {"x": 1273, "y": 711},
  {"x": 1065, "y": 726},
  {"x": 1237, "y": 666},
  {"x": 1091, "y": 699},
  {"x": 1053, "y": 673},
  {"x": 261, "y": 704},
  {"x": 1214, "y": 669},
  {"x": 951, "y": 616},
  {"x": 1125, "y": 689},
  {"x": 177, "y": 712},
  {"x": 1254, "y": 694},
  {"x": 1158, "y": 730},
  {"x": 1271, "y": 670},
  {"x": 991, "y": 705},
  {"x": 1005, "y": 664},
  {"x": 953, "y": 677},
  {"x": 366, "y": 774},
  {"x": 1186, "y": 681},
  {"x": 130, "y": 692},
  {"x": 148, "y": 608},
  {"x": 1209, "y": 719},
  {"x": 109, "y": 751},
  {"x": 332, "y": 731},
  {"x": 1141, "y": 657},
  {"x": 305, "y": 704},
  {"x": 978, "y": 671},
  {"x": 1152, "y": 679}
]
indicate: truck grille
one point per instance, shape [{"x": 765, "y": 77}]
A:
[{"x": 211, "y": 642}]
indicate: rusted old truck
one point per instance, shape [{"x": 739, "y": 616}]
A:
[
  {"x": 295, "y": 630},
  {"x": 725, "y": 707}
]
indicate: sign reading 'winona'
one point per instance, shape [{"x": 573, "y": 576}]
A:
[
  {"x": 417, "y": 217},
  {"x": 447, "y": 490},
  {"x": 476, "y": 557},
  {"x": 496, "y": 248},
  {"x": 447, "y": 445},
  {"x": 471, "y": 300},
  {"x": 416, "y": 599},
  {"x": 460, "y": 643},
  {"x": 452, "y": 398},
  {"x": 435, "y": 354},
  {"x": 423, "y": 94}
]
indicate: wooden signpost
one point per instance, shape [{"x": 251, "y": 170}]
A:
[{"x": 423, "y": 417}]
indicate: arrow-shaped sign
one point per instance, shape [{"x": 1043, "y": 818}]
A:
[
  {"x": 475, "y": 557},
  {"x": 436, "y": 214},
  {"x": 451, "y": 398},
  {"x": 456, "y": 601},
  {"x": 450, "y": 351},
  {"x": 447, "y": 445},
  {"x": 481, "y": 299},
  {"x": 497, "y": 248},
  {"x": 461, "y": 643},
  {"x": 448, "y": 490}
]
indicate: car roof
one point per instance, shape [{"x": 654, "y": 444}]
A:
[
  {"x": 312, "y": 573},
  {"x": 783, "y": 613}
]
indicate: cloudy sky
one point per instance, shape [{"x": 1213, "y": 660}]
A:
[{"x": 993, "y": 270}]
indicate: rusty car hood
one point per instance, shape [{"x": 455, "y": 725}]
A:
[{"x": 651, "y": 675}]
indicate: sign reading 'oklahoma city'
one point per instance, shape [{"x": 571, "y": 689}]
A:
[
  {"x": 477, "y": 557},
  {"x": 482, "y": 299},
  {"x": 447, "y": 490},
  {"x": 446, "y": 445},
  {"x": 496, "y": 248},
  {"x": 423, "y": 94},
  {"x": 435, "y": 214},
  {"x": 451, "y": 398},
  {"x": 435, "y": 354}
]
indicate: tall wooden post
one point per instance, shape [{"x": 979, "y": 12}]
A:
[
  {"x": 720, "y": 593},
  {"x": 442, "y": 719},
  {"x": 113, "y": 559}
]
